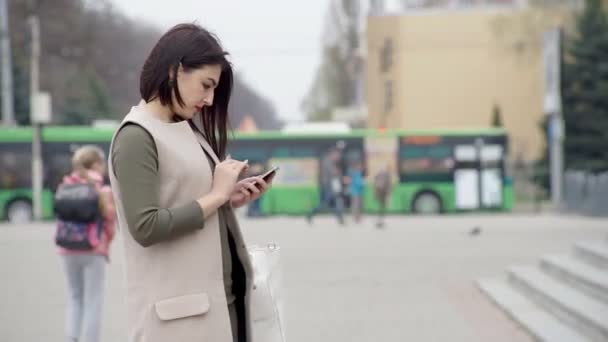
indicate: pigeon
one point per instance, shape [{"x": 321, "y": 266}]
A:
[{"x": 475, "y": 231}]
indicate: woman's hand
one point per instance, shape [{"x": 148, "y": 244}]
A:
[
  {"x": 225, "y": 177},
  {"x": 247, "y": 190}
]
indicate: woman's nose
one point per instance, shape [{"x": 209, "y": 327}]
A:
[{"x": 208, "y": 100}]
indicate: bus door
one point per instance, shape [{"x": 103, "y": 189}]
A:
[{"x": 478, "y": 173}]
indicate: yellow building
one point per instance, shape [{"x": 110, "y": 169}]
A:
[{"x": 448, "y": 69}]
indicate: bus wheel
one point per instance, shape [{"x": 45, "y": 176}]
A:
[
  {"x": 19, "y": 211},
  {"x": 426, "y": 203}
]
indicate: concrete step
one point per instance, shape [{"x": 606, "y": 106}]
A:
[
  {"x": 539, "y": 323},
  {"x": 585, "y": 314},
  {"x": 594, "y": 252},
  {"x": 588, "y": 279}
]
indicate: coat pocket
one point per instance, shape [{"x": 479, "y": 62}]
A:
[{"x": 182, "y": 306}]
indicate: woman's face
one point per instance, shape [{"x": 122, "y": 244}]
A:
[{"x": 196, "y": 87}]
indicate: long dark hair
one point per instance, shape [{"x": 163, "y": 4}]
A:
[{"x": 193, "y": 47}]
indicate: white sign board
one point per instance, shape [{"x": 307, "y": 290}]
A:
[
  {"x": 552, "y": 103},
  {"x": 41, "y": 108}
]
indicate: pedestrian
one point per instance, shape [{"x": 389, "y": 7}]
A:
[
  {"x": 382, "y": 189},
  {"x": 330, "y": 187},
  {"x": 188, "y": 272},
  {"x": 84, "y": 242},
  {"x": 356, "y": 188}
]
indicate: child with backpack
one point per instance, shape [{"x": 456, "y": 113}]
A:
[{"x": 85, "y": 228}]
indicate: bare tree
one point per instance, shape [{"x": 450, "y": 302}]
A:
[
  {"x": 91, "y": 59},
  {"x": 337, "y": 79}
]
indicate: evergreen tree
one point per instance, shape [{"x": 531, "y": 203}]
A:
[
  {"x": 585, "y": 90},
  {"x": 335, "y": 82},
  {"x": 88, "y": 100},
  {"x": 496, "y": 117}
]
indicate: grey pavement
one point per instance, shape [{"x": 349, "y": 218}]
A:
[{"x": 411, "y": 281}]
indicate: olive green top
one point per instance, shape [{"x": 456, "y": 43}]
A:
[{"x": 135, "y": 162}]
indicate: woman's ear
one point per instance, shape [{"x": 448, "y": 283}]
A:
[{"x": 173, "y": 72}]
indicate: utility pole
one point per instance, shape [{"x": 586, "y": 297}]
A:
[
  {"x": 8, "y": 111},
  {"x": 479, "y": 145},
  {"x": 355, "y": 54},
  {"x": 553, "y": 109},
  {"x": 36, "y": 125}
]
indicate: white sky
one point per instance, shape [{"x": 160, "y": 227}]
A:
[{"x": 275, "y": 44}]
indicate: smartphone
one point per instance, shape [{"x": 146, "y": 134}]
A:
[{"x": 267, "y": 176}]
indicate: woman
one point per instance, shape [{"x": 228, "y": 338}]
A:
[
  {"x": 188, "y": 271},
  {"x": 382, "y": 190},
  {"x": 356, "y": 187},
  {"x": 85, "y": 269}
]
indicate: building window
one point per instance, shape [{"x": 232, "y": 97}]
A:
[
  {"x": 388, "y": 96},
  {"x": 386, "y": 55}
]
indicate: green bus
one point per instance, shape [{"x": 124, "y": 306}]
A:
[{"x": 433, "y": 171}]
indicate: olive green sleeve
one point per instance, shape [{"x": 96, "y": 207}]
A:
[{"x": 135, "y": 163}]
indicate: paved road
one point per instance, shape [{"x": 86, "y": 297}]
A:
[{"x": 412, "y": 281}]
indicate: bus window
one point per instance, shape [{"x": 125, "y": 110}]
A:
[
  {"x": 58, "y": 160},
  {"x": 15, "y": 166},
  {"x": 440, "y": 152},
  {"x": 57, "y": 163},
  {"x": 302, "y": 152},
  {"x": 425, "y": 162},
  {"x": 247, "y": 153},
  {"x": 433, "y": 152},
  {"x": 413, "y": 152},
  {"x": 294, "y": 152}
]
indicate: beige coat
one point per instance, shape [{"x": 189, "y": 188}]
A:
[{"x": 175, "y": 289}]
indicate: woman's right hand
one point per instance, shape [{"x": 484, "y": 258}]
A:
[{"x": 226, "y": 175}]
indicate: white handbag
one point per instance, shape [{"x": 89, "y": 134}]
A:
[{"x": 266, "y": 301}]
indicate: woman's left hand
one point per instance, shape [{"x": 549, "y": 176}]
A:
[{"x": 247, "y": 190}]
